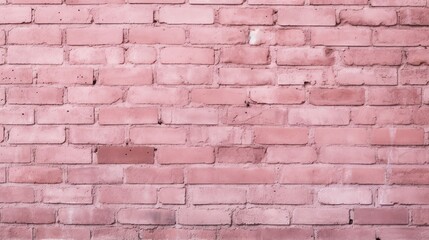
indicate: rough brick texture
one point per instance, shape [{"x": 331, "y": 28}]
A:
[{"x": 214, "y": 119}]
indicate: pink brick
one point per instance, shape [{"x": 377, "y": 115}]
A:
[
  {"x": 16, "y": 75},
  {"x": 63, "y": 155},
  {"x": 102, "y": 233},
  {"x": 364, "y": 175},
  {"x": 66, "y": 76},
  {"x": 278, "y": 135},
  {"x": 158, "y": 95},
  {"x": 177, "y": 155},
  {"x": 279, "y": 195},
  {"x": 369, "y": 17},
  {"x": 289, "y": 233},
  {"x": 372, "y": 56},
  {"x": 320, "y": 216},
  {"x": 255, "y": 116},
  {"x": 339, "y": 2},
  {"x": 68, "y": 195},
  {"x": 414, "y": 75},
  {"x": 187, "y": 75},
  {"x": 393, "y": 3},
  {"x": 246, "y": 16},
  {"x": 94, "y": 36},
  {"x": 172, "y": 196},
  {"x": 339, "y": 196},
  {"x": 230, "y": 175},
  {"x": 187, "y": 55},
  {"x": 184, "y": 233},
  {"x": 310, "y": 174},
  {"x": 227, "y": 96},
  {"x": 94, "y": 175},
  {"x": 37, "y": 134},
  {"x": 35, "y": 55},
  {"x": 367, "y": 76},
  {"x": 290, "y": 155},
  {"x": 420, "y": 216},
  {"x": 15, "y": 154},
  {"x": 305, "y": 56},
  {"x": 414, "y": 17},
  {"x": 398, "y": 233},
  {"x": 93, "y": 95},
  {"x": 127, "y": 195},
  {"x": 164, "y": 175},
  {"x": 346, "y": 155},
  {"x": 338, "y": 96},
  {"x": 245, "y": 76},
  {"x": 147, "y": 216},
  {"x": 198, "y": 116},
  {"x": 341, "y": 136},
  {"x": 123, "y": 115},
  {"x": 35, "y": 95},
  {"x": 266, "y": 216},
  {"x": 28, "y": 215},
  {"x": 96, "y": 1},
  {"x": 141, "y": 54},
  {"x": 319, "y": 116},
  {"x": 34, "y": 1},
  {"x": 10, "y": 232},
  {"x": 306, "y": 16},
  {"x": 17, "y": 115},
  {"x": 203, "y": 217},
  {"x": 370, "y": 216},
  {"x": 35, "y": 175},
  {"x": 217, "y": 195},
  {"x": 398, "y": 155},
  {"x": 92, "y": 55},
  {"x": 157, "y": 35},
  {"x": 15, "y": 14},
  {"x": 418, "y": 56},
  {"x": 294, "y": 76},
  {"x": 62, "y": 14},
  {"x": 239, "y": 155},
  {"x": 394, "y": 96},
  {"x": 276, "y": 2},
  {"x": 123, "y": 14},
  {"x": 277, "y": 95},
  {"x": 17, "y": 194},
  {"x": 125, "y": 76},
  {"x": 290, "y": 37},
  {"x": 186, "y": 15},
  {"x": 341, "y": 36},
  {"x": 232, "y": 2},
  {"x": 218, "y": 135},
  {"x": 409, "y": 175},
  {"x": 62, "y": 232},
  {"x": 245, "y": 55},
  {"x": 219, "y": 35},
  {"x": 35, "y": 35},
  {"x": 158, "y": 135},
  {"x": 341, "y": 233},
  {"x": 403, "y": 195},
  {"x": 96, "y": 135},
  {"x": 400, "y": 37},
  {"x": 84, "y": 216},
  {"x": 65, "y": 115}
]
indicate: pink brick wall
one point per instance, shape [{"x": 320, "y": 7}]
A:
[{"x": 214, "y": 119}]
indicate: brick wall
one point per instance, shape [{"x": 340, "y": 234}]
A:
[{"x": 214, "y": 119}]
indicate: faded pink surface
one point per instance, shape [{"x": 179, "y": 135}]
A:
[{"x": 214, "y": 119}]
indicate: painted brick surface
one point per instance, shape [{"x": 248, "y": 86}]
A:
[{"x": 214, "y": 119}]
